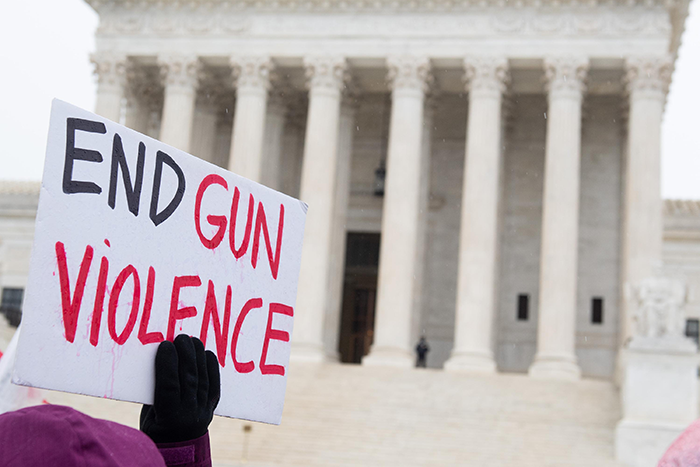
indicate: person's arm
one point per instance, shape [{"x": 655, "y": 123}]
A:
[{"x": 187, "y": 392}]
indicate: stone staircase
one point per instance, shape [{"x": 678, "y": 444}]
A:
[{"x": 349, "y": 415}]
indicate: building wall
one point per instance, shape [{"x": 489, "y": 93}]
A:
[
  {"x": 521, "y": 228},
  {"x": 681, "y": 249},
  {"x": 599, "y": 234},
  {"x": 18, "y": 202}
]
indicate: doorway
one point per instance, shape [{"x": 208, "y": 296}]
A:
[{"x": 359, "y": 296}]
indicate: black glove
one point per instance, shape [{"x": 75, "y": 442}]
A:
[{"x": 187, "y": 392}]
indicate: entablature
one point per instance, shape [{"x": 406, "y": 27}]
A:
[{"x": 439, "y": 29}]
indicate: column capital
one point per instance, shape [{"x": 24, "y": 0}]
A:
[
  {"x": 181, "y": 71},
  {"x": 328, "y": 72},
  {"x": 409, "y": 72},
  {"x": 565, "y": 76},
  {"x": 650, "y": 75},
  {"x": 252, "y": 71},
  {"x": 110, "y": 68},
  {"x": 486, "y": 74}
]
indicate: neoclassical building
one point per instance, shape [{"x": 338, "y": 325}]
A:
[
  {"x": 519, "y": 142},
  {"x": 483, "y": 173}
]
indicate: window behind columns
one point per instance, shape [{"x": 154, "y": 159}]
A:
[
  {"x": 692, "y": 329},
  {"x": 523, "y": 307},
  {"x": 11, "y": 304},
  {"x": 597, "y": 310}
]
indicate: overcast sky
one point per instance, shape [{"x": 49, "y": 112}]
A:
[{"x": 44, "y": 50}]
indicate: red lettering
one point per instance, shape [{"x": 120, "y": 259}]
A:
[
  {"x": 220, "y": 335},
  {"x": 261, "y": 223},
  {"x": 127, "y": 272},
  {"x": 176, "y": 313},
  {"x": 274, "y": 334},
  {"x": 246, "y": 367},
  {"x": 99, "y": 302},
  {"x": 144, "y": 336},
  {"x": 249, "y": 224},
  {"x": 218, "y": 221},
  {"x": 71, "y": 307}
]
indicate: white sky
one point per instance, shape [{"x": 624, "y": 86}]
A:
[{"x": 44, "y": 50}]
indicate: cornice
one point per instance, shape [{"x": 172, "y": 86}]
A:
[
  {"x": 681, "y": 219},
  {"x": 372, "y": 5},
  {"x": 19, "y": 187},
  {"x": 682, "y": 208}
]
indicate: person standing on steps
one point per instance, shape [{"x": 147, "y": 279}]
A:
[{"x": 422, "y": 350}]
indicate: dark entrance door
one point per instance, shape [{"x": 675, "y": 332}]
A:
[{"x": 359, "y": 296}]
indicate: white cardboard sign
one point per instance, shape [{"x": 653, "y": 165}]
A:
[{"x": 137, "y": 242}]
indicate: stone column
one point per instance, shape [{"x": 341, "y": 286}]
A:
[
  {"x": 400, "y": 219},
  {"x": 275, "y": 120},
  {"x": 318, "y": 184},
  {"x": 476, "y": 280},
  {"x": 111, "y": 80},
  {"x": 346, "y": 132},
  {"x": 252, "y": 75},
  {"x": 556, "y": 332},
  {"x": 181, "y": 76},
  {"x": 647, "y": 83}
]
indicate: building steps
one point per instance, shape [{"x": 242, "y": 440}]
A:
[{"x": 348, "y": 415}]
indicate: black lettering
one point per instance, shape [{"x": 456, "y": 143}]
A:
[
  {"x": 159, "y": 217},
  {"x": 71, "y": 186},
  {"x": 133, "y": 192}
]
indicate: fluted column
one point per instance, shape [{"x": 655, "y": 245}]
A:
[
  {"x": 318, "y": 179},
  {"x": 181, "y": 76},
  {"x": 647, "y": 83},
  {"x": 556, "y": 332},
  {"x": 111, "y": 80},
  {"x": 400, "y": 218},
  {"x": 252, "y": 75},
  {"x": 275, "y": 120},
  {"x": 346, "y": 131},
  {"x": 476, "y": 281}
]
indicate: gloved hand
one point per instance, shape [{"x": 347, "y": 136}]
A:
[{"x": 187, "y": 392}]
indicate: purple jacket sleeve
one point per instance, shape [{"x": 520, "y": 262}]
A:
[{"x": 194, "y": 453}]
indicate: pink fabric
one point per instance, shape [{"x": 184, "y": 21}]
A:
[
  {"x": 61, "y": 436},
  {"x": 194, "y": 453},
  {"x": 685, "y": 450}
]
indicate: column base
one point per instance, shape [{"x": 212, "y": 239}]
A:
[
  {"x": 642, "y": 444},
  {"x": 391, "y": 357},
  {"x": 471, "y": 362},
  {"x": 307, "y": 353},
  {"x": 562, "y": 367}
]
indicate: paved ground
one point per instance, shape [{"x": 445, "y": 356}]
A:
[{"x": 351, "y": 415}]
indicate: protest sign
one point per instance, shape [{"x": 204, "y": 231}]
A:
[{"x": 137, "y": 242}]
